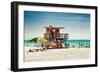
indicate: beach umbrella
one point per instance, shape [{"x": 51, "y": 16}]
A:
[
  {"x": 41, "y": 40},
  {"x": 34, "y": 39}
]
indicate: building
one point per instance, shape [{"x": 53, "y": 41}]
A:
[{"x": 53, "y": 34}]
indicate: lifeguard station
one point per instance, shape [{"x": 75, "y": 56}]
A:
[{"x": 53, "y": 34}]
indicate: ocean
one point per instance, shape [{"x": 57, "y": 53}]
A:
[
  {"x": 78, "y": 43},
  {"x": 70, "y": 43}
]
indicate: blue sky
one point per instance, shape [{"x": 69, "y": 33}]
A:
[{"x": 76, "y": 24}]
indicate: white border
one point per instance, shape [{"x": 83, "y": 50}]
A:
[{"x": 21, "y": 10}]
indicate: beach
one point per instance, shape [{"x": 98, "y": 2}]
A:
[{"x": 57, "y": 54}]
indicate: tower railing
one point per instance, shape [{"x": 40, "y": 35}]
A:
[{"x": 62, "y": 35}]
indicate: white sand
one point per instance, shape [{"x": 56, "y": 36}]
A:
[{"x": 58, "y": 54}]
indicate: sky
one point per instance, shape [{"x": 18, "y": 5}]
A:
[{"x": 76, "y": 24}]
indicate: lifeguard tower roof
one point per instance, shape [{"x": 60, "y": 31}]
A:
[{"x": 55, "y": 27}]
